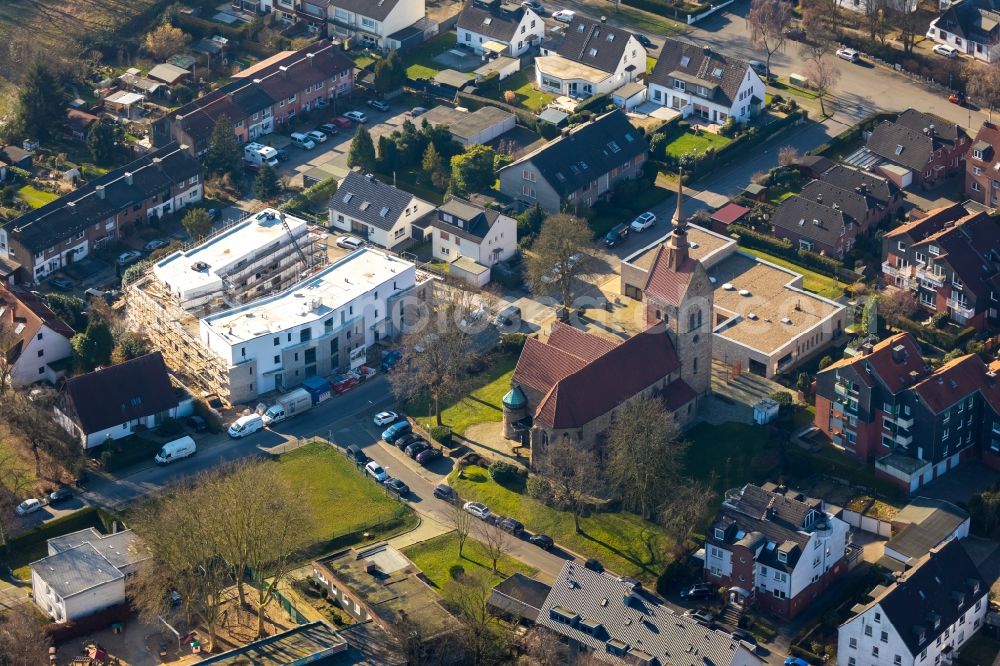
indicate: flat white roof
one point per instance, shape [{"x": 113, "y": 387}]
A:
[
  {"x": 200, "y": 268},
  {"x": 312, "y": 299}
]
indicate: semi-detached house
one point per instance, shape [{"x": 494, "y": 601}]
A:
[
  {"x": 376, "y": 211},
  {"x": 379, "y": 24},
  {"x": 38, "y": 347},
  {"x": 500, "y": 28},
  {"x": 982, "y": 167},
  {"x": 592, "y": 58},
  {"x": 971, "y": 26}
]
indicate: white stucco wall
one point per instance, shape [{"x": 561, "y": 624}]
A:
[
  {"x": 80, "y": 605},
  {"x": 31, "y": 367}
]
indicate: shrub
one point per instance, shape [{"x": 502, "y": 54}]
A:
[
  {"x": 939, "y": 319},
  {"x": 825, "y": 362},
  {"x": 783, "y": 398},
  {"x": 441, "y": 434},
  {"x": 512, "y": 343},
  {"x": 510, "y": 97},
  {"x": 548, "y": 131},
  {"x": 504, "y": 472},
  {"x": 170, "y": 427},
  {"x": 539, "y": 488}
]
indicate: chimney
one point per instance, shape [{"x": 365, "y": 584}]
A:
[
  {"x": 99, "y": 191},
  {"x": 899, "y": 354},
  {"x": 284, "y": 71},
  {"x": 128, "y": 177},
  {"x": 819, "y": 198},
  {"x": 158, "y": 163},
  {"x": 707, "y": 50},
  {"x": 866, "y": 349}
]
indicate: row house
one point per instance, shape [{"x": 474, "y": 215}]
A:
[
  {"x": 950, "y": 259},
  {"x": 917, "y": 148},
  {"x": 578, "y": 168},
  {"x": 982, "y": 167},
  {"x": 886, "y": 406},
  {"x": 775, "y": 549},
  {"x": 104, "y": 210},
  {"x": 382, "y": 24},
  {"x": 263, "y": 97}
]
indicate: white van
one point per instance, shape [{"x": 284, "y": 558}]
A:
[
  {"x": 303, "y": 141},
  {"x": 246, "y": 425},
  {"x": 175, "y": 450}
]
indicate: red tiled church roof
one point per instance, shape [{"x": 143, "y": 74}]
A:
[{"x": 667, "y": 284}]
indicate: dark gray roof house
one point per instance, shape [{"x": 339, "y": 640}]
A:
[
  {"x": 917, "y": 140},
  {"x": 860, "y": 207},
  {"x": 465, "y": 219},
  {"x": 867, "y": 183},
  {"x": 493, "y": 20},
  {"x": 519, "y": 596},
  {"x": 822, "y": 227},
  {"x": 378, "y": 10},
  {"x": 594, "y": 44},
  {"x": 367, "y": 206},
  {"x": 719, "y": 74}
]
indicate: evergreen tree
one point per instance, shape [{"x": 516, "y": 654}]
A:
[
  {"x": 41, "y": 104},
  {"x": 390, "y": 73},
  {"x": 104, "y": 140},
  {"x": 362, "y": 151},
  {"x": 223, "y": 149},
  {"x": 433, "y": 168},
  {"x": 388, "y": 156},
  {"x": 266, "y": 185},
  {"x": 472, "y": 171},
  {"x": 93, "y": 347},
  {"x": 197, "y": 223}
]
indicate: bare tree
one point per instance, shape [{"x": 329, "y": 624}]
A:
[
  {"x": 14, "y": 484},
  {"x": 877, "y": 14},
  {"x": 461, "y": 521},
  {"x": 32, "y": 420},
  {"x": 22, "y": 640},
  {"x": 983, "y": 84},
  {"x": 645, "y": 454},
  {"x": 897, "y": 304},
  {"x": 8, "y": 354},
  {"x": 495, "y": 541},
  {"x": 910, "y": 24},
  {"x": 788, "y": 155},
  {"x": 543, "y": 648},
  {"x": 469, "y": 595},
  {"x": 560, "y": 256},
  {"x": 768, "y": 21},
  {"x": 573, "y": 472},
  {"x": 683, "y": 508},
  {"x": 823, "y": 77}
]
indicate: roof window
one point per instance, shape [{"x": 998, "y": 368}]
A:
[
  {"x": 717, "y": 72},
  {"x": 579, "y": 27},
  {"x": 364, "y": 206},
  {"x": 487, "y": 20},
  {"x": 384, "y": 211},
  {"x": 592, "y": 52},
  {"x": 899, "y": 149},
  {"x": 685, "y": 60},
  {"x": 611, "y": 37},
  {"x": 348, "y": 197}
]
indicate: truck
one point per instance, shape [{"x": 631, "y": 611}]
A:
[
  {"x": 288, "y": 405},
  {"x": 257, "y": 155},
  {"x": 318, "y": 387}
]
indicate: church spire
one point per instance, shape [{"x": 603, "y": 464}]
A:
[
  {"x": 679, "y": 211},
  {"x": 677, "y": 244}
]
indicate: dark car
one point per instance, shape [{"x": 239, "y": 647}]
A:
[
  {"x": 355, "y": 453},
  {"x": 699, "y": 591},
  {"x": 745, "y": 636},
  {"x": 445, "y": 492},
  {"x": 413, "y": 449},
  {"x": 644, "y": 40},
  {"x": 515, "y": 527},
  {"x": 594, "y": 565},
  {"x": 397, "y": 486},
  {"x": 196, "y": 423},
  {"x": 390, "y": 359},
  {"x": 62, "y": 283},
  {"x": 701, "y": 615},
  {"x": 60, "y": 495},
  {"x": 543, "y": 541},
  {"x": 407, "y": 439},
  {"x": 427, "y": 455},
  {"x": 282, "y": 154},
  {"x": 616, "y": 236}
]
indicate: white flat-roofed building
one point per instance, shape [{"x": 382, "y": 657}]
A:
[
  {"x": 250, "y": 260},
  {"x": 314, "y": 327}
]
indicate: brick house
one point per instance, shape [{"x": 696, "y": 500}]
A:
[
  {"x": 982, "y": 167},
  {"x": 951, "y": 260},
  {"x": 266, "y": 96},
  {"x": 929, "y": 148},
  {"x": 578, "y": 168},
  {"x": 775, "y": 549},
  {"x": 104, "y": 210}
]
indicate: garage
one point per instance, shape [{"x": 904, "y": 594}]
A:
[{"x": 472, "y": 127}]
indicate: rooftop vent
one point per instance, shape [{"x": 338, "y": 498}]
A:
[
  {"x": 786, "y": 320},
  {"x": 752, "y": 316},
  {"x": 744, "y": 292},
  {"x": 728, "y": 286}
]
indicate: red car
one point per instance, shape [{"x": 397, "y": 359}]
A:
[
  {"x": 343, "y": 384},
  {"x": 342, "y": 122}
]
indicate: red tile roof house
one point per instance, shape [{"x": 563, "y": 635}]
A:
[
  {"x": 38, "y": 348},
  {"x": 950, "y": 259},
  {"x": 982, "y": 167},
  {"x": 888, "y": 407},
  {"x": 570, "y": 386},
  {"x": 270, "y": 97}
]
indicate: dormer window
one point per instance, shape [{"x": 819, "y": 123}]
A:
[
  {"x": 782, "y": 556},
  {"x": 720, "y": 534},
  {"x": 978, "y": 154},
  {"x": 684, "y": 61},
  {"x": 592, "y": 52},
  {"x": 934, "y": 250},
  {"x": 899, "y": 149}
]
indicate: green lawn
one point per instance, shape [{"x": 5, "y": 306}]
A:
[
  {"x": 34, "y": 197},
  {"x": 821, "y": 285},
  {"x": 407, "y": 180},
  {"x": 689, "y": 142},
  {"x": 438, "y": 559},
  {"x": 482, "y": 404},
  {"x": 342, "y": 500},
  {"x": 361, "y": 61},
  {"x": 522, "y": 83},
  {"x": 420, "y": 61},
  {"x": 647, "y": 22},
  {"x": 623, "y": 542}
]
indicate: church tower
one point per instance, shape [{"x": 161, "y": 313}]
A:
[{"x": 679, "y": 294}]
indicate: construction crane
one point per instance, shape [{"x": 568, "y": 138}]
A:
[{"x": 284, "y": 223}]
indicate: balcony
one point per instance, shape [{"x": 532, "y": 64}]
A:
[
  {"x": 904, "y": 273},
  {"x": 961, "y": 308},
  {"x": 904, "y": 422},
  {"x": 838, "y": 408},
  {"x": 928, "y": 276},
  {"x": 904, "y": 440}
]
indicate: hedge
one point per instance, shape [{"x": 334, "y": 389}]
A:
[
  {"x": 595, "y": 103},
  {"x": 748, "y": 237},
  {"x": 940, "y": 339},
  {"x": 22, "y": 547}
]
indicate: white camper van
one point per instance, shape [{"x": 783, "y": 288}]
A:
[{"x": 175, "y": 450}]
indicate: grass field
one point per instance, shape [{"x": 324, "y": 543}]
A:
[
  {"x": 420, "y": 61},
  {"x": 522, "y": 83},
  {"x": 339, "y": 495},
  {"x": 438, "y": 559},
  {"x": 623, "y": 542},
  {"x": 689, "y": 142},
  {"x": 821, "y": 285},
  {"x": 482, "y": 404},
  {"x": 647, "y": 22},
  {"x": 34, "y": 197}
]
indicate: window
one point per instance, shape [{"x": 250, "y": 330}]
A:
[
  {"x": 977, "y": 171},
  {"x": 854, "y": 643},
  {"x": 875, "y": 651},
  {"x": 885, "y": 637},
  {"x": 897, "y": 660},
  {"x": 528, "y": 175},
  {"x": 277, "y": 360},
  {"x": 901, "y": 246},
  {"x": 868, "y": 630},
  {"x": 719, "y": 534},
  {"x": 41, "y": 352},
  {"x": 851, "y": 661}
]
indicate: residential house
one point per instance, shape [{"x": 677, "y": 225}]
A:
[
  {"x": 982, "y": 167},
  {"x": 119, "y": 400},
  {"x": 922, "y": 525},
  {"x": 814, "y": 226},
  {"x": 78, "y": 123},
  {"x": 950, "y": 259},
  {"x": 463, "y": 229},
  {"x": 922, "y": 618},
  {"x": 971, "y": 26},
  {"x": 271, "y": 96},
  {"x": 85, "y": 572},
  {"x": 592, "y": 58},
  {"x": 375, "y": 211},
  {"x": 385, "y": 25},
  {"x": 775, "y": 548},
  {"x": 471, "y": 127},
  {"x": 21, "y": 158},
  {"x": 860, "y": 6},
  {"x": 706, "y": 84},
  {"x": 578, "y": 168},
  {"x": 37, "y": 341},
  {"x": 103, "y": 211},
  {"x": 619, "y": 622},
  {"x": 925, "y": 149},
  {"x": 886, "y": 405},
  {"x": 553, "y": 388},
  {"x": 496, "y": 27},
  {"x": 519, "y": 597},
  {"x": 885, "y": 192}
]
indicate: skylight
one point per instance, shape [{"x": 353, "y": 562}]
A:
[
  {"x": 18, "y": 329},
  {"x": 717, "y": 72},
  {"x": 614, "y": 147},
  {"x": 583, "y": 165},
  {"x": 579, "y": 28},
  {"x": 899, "y": 149},
  {"x": 592, "y": 52},
  {"x": 384, "y": 211},
  {"x": 611, "y": 37},
  {"x": 560, "y": 176},
  {"x": 629, "y": 137},
  {"x": 348, "y": 197},
  {"x": 574, "y": 168},
  {"x": 684, "y": 61},
  {"x": 487, "y": 20},
  {"x": 364, "y": 206}
]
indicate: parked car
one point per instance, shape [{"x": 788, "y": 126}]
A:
[
  {"x": 317, "y": 136},
  {"x": 594, "y": 565},
  {"x": 701, "y": 615},
  {"x": 699, "y": 591},
  {"x": 390, "y": 359},
  {"x": 416, "y": 447},
  {"x": 796, "y": 34},
  {"x": 543, "y": 541},
  {"x": 395, "y": 431},
  {"x": 397, "y": 486},
  {"x": 378, "y": 105},
  {"x": 643, "y": 222},
  {"x": 796, "y": 661},
  {"x": 509, "y": 316},
  {"x": 534, "y": 5},
  {"x": 512, "y": 526},
  {"x": 617, "y": 235},
  {"x": 282, "y": 156},
  {"x": 849, "y": 55},
  {"x": 302, "y": 140},
  {"x": 155, "y": 244},
  {"x": 129, "y": 258},
  {"x": 356, "y": 116},
  {"x": 416, "y": 111},
  {"x": 350, "y": 242},
  {"x": 385, "y": 418},
  {"x": 445, "y": 492},
  {"x": 342, "y": 122},
  {"x": 759, "y": 67},
  {"x": 374, "y": 470},
  {"x": 29, "y": 506},
  {"x": 957, "y": 98},
  {"x": 946, "y": 50},
  {"x": 745, "y": 636},
  {"x": 60, "y": 495},
  {"x": 355, "y": 453},
  {"x": 196, "y": 423},
  {"x": 406, "y": 440},
  {"x": 477, "y": 509},
  {"x": 62, "y": 283},
  {"x": 644, "y": 40},
  {"x": 329, "y": 128},
  {"x": 564, "y": 15},
  {"x": 427, "y": 455}
]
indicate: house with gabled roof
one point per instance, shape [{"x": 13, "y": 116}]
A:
[
  {"x": 701, "y": 82},
  {"x": 376, "y": 24},
  {"x": 982, "y": 167},
  {"x": 496, "y": 27},
  {"x": 38, "y": 342},
  {"x": 775, "y": 549},
  {"x": 924, "y": 149},
  {"x": 592, "y": 58},
  {"x": 812, "y": 225},
  {"x": 971, "y": 26},
  {"x": 376, "y": 211},
  {"x": 461, "y": 228},
  {"x": 578, "y": 168}
]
